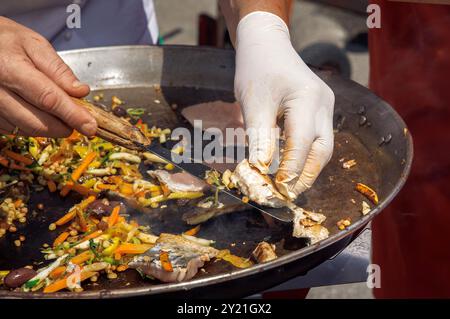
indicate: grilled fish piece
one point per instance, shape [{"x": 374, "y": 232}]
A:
[
  {"x": 308, "y": 225},
  {"x": 115, "y": 129},
  {"x": 179, "y": 182},
  {"x": 186, "y": 257},
  {"x": 258, "y": 187}
]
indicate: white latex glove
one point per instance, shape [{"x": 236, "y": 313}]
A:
[{"x": 272, "y": 81}]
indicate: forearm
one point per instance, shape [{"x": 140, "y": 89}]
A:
[{"x": 235, "y": 10}]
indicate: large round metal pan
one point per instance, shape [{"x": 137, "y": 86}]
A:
[{"x": 160, "y": 78}]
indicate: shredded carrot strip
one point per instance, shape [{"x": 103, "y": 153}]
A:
[
  {"x": 81, "y": 221},
  {"x": 75, "y": 136},
  {"x": 62, "y": 283},
  {"x": 165, "y": 190},
  {"x": 87, "y": 201},
  {"x": 92, "y": 235},
  {"x": 165, "y": 261},
  {"x": 141, "y": 193},
  {"x": 83, "y": 166},
  {"x": 18, "y": 157},
  {"x": 66, "y": 189},
  {"x": 4, "y": 161},
  {"x": 17, "y": 203},
  {"x": 106, "y": 186},
  {"x": 83, "y": 190},
  {"x": 19, "y": 167},
  {"x": 66, "y": 218},
  {"x": 193, "y": 231},
  {"x": 60, "y": 239},
  {"x": 81, "y": 258},
  {"x": 112, "y": 219},
  {"x": 132, "y": 248},
  {"x": 117, "y": 256},
  {"x": 126, "y": 188},
  {"x": 57, "y": 272},
  {"x": 121, "y": 268},
  {"x": 51, "y": 186},
  {"x": 115, "y": 180}
]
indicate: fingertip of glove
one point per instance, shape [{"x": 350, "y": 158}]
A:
[{"x": 284, "y": 182}]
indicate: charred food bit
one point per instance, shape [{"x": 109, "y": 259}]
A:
[
  {"x": 308, "y": 225},
  {"x": 185, "y": 257},
  {"x": 256, "y": 186},
  {"x": 349, "y": 164},
  {"x": 365, "y": 209},
  {"x": 344, "y": 223},
  {"x": 264, "y": 252},
  {"x": 368, "y": 192}
]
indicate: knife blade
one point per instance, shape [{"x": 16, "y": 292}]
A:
[{"x": 199, "y": 170}]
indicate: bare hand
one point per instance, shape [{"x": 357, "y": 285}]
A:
[{"x": 36, "y": 85}]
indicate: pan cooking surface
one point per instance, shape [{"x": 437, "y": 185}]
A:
[
  {"x": 369, "y": 131},
  {"x": 240, "y": 232}
]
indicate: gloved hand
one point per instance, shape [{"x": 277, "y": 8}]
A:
[
  {"x": 35, "y": 85},
  {"x": 272, "y": 81}
]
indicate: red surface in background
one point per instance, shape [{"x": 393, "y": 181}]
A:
[{"x": 410, "y": 69}]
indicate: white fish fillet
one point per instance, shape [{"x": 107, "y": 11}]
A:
[
  {"x": 258, "y": 187},
  {"x": 308, "y": 225}
]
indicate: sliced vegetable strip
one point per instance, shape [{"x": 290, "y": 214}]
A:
[
  {"x": 121, "y": 268},
  {"x": 113, "y": 218},
  {"x": 234, "y": 260},
  {"x": 82, "y": 190},
  {"x": 62, "y": 283},
  {"x": 19, "y": 167},
  {"x": 66, "y": 218},
  {"x": 165, "y": 261},
  {"x": 57, "y": 272},
  {"x": 81, "y": 220},
  {"x": 92, "y": 235},
  {"x": 368, "y": 192},
  {"x": 185, "y": 195},
  {"x": 51, "y": 186},
  {"x": 132, "y": 249},
  {"x": 83, "y": 166},
  {"x": 66, "y": 189},
  {"x": 81, "y": 258},
  {"x": 75, "y": 136},
  {"x": 18, "y": 157},
  {"x": 61, "y": 238},
  {"x": 193, "y": 231}
]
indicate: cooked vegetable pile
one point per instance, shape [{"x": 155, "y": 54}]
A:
[{"x": 94, "y": 236}]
